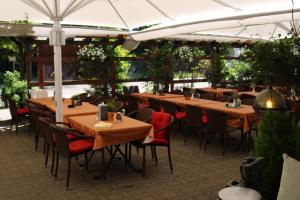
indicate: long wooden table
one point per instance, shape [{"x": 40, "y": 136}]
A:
[
  {"x": 146, "y": 96},
  {"x": 84, "y": 109},
  {"x": 121, "y": 132},
  {"x": 217, "y": 91},
  {"x": 244, "y": 112},
  {"x": 47, "y": 101}
]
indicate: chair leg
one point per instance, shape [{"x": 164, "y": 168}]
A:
[
  {"x": 126, "y": 152},
  {"x": 53, "y": 159},
  {"x": 45, "y": 146},
  {"x": 155, "y": 155},
  {"x": 56, "y": 165},
  {"x": 170, "y": 159},
  {"x": 225, "y": 137},
  {"x": 69, "y": 172},
  {"x": 11, "y": 123},
  {"x": 86, "y": 161},
  {"x": 103, "y": 163},
  {"x": 47, "y": 155},
  {"x": 186, "y": 131},
  {"x": 201, "y": 136},
  {"x": 17, "y": 125},
  {"x": 144, "y": 160},
  {"x": 152, "y": 152},
  {"x": 129, "y": 153},
  {"x": 206, "y": 141},
  {"x": 37, "y": 136}
]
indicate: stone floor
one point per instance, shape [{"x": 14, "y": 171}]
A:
[{"x": 197, "y": 175}]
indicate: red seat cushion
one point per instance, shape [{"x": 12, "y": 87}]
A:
[
  {"x": 204, "y": 119},
  {"x": 22, "y": 111},
  {"x": 80, "y": 146},
  {"x": 160, "y": 120},
  {"x": 180, "y": 115}
]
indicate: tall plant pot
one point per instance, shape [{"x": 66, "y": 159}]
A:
[{"x": 111, "y": 116}]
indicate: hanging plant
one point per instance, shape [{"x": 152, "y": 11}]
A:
[
  {"x": 185, "y": 53},
  {"x": 91, "y": 53}
]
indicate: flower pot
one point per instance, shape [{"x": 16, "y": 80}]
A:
[{"x": 111, "y": 116}]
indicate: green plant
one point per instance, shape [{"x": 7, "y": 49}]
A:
[
  {"x": 14, "y": 88},
  {"x": 276, "y": 135},
  {"x": 110, "y": 106},
  {"x": 75, "y": 97}
]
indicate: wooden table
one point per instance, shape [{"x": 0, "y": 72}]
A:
[
  {"x": 217, "y": 91},
  {"x": 121, "y": 132},
  {"x": 47, "y": 101},
  {"x": 84, "y": 109},
  {"x": 182, "y": 102},
  {"x": 249, "y": 93},
  {"x": 145, "y": 96}
]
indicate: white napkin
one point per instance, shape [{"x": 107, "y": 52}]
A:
[{"x": 103, "y": 125}]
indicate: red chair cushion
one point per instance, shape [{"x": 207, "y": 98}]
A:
[
  {"x": 204, "y": 119},
  {"x": 180, "y": 115},
  {"x": 160, "y": 141},
  {"x": 80, "y": 146},
  {"x": 22, "y": 111},
  {"x": 160, "y": 120}
]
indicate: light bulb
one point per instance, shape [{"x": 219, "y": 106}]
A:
[{"x": 269, "y": 104}]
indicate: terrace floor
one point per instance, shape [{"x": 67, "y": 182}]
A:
[{"x": 197, "y": 175}]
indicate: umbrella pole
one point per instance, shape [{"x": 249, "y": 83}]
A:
[{"x": 56, "y": 35}]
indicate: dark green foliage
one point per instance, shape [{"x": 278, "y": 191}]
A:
[
  {"x": 276, "y": 135},
  {"x": 14, "y": 88}
]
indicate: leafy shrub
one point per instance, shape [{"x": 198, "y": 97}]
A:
[
  {"x": 276, "y": 135},
  {"x": 14, "y": 88}
]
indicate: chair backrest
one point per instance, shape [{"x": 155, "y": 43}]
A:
[
  {"x": 162, "y": 124},
  {"x": 126, "y": 90},
  {"x": 154, "y": 104},
  {"x": 217, "y": 121},
  {"x": 187, "y": 91},
  {"x": 13, "y": 109},
  {"x": 118, "y": 106},
  {"x": 94, "y": 99},
  {"x": 144, "y": 114},
  {"x": 43, "y": 126},
  {"x": 246, "y": 96},
  {"x": 132, "y": 104},
  {"x": 223, "y": 98},
  {"x": 135, "y": 89},
  {"x": 62, "y": 143},
  {"x": 169, "y": 108},
  {"x": 207, "y": 96},
  {"x": 249, "y": 102},
  {"x": 193, "y": 116},
  {"x": 36, "y": 113},
  {"x": 176, "y": 92}
]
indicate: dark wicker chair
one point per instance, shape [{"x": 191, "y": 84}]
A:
[
  {"x": 171, "y": 108},
  {"x": 132, "y": 104},
  {"x": 118, "y": 106},
  {"x": 218, "y": 124},
  {"x": 17, "y": 114},
  {"x": 154, "y": 104},
  {"x": 162, "y": 123},
  {"x": 207, "y": 96},
  {"x": 179, "y": 92},
  {"x": 249, "y": 102},
  {"x": 246, "y": 96},
  {"x": 223, "y": 98},
  {"x": 195, "y": 120},
  {"x": 70, "y": 148}
]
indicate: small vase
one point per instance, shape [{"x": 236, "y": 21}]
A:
[{"x": 111, "y": 116}]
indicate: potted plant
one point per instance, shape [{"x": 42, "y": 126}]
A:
[
  {"x": 75, "y": 100},
  {"x": 110, "y": 110}
]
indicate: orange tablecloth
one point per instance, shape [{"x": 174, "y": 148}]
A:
[
  {"x": 127, "y": 130},
  {"x": 85, "y": 109},
  {"x": 47, "y": 101},
  {"x": 217, "y": 91},
  {"x": 250, "y": 93},
  {"x": 145, "y": 96},
  {"x": 244, "y": 112},
  {"x": 182, "y": 102}
]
